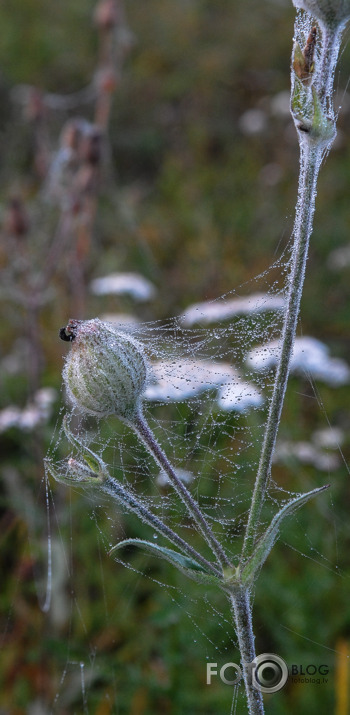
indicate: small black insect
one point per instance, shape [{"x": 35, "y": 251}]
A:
[
  {"x": 63, "y": 335},
  {"x": 68, "y": 333}
]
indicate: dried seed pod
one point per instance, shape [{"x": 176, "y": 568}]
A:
[
  {"x": 72, "y": 133},
  {"x": 107, "y": 14},
  {"x": 86, "y": 181},
  {"x": 90, "y": 148},
  {"x": 105, "y": 372},
  {"x": 16, "y": 219},
  {"x": 107, "y": 80},
  {"x": 35, "y": 108}
]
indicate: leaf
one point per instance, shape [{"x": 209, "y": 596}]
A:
[
  {"x": 95, "y": 463},
  {"x": 300, "y": 101},
  {"x": 265, "y": 544},
  {"x": 322, "y": 126},
  {"x": 187, "y": 566}
]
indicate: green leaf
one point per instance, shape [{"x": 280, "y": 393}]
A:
[
  {"x": 187, "y": 566},
  {"x": 300, "y": 102},
  {"x": 307, "y": 109},
  {"x": 322, "y": 127},
  {"x": 264, "y": 545}
]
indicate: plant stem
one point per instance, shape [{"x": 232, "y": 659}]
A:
[
  {"x": 312, "y": 152},
  {"x": 115, "y": 489},
  {"x": 309, "y": 165},
  {"x": 315, "y": 138},
  {"x": 142, "y": 428},
  {"x": 331, "y": 39},
  {"x": 241, "y": 607}
]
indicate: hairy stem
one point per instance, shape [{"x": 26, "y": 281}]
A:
[
  {"x": 315, "y": 123},
  {"x": 145, "y": 433},
  {"x": 312, "y": 150},
  {"x": 309, "y": 165},
  {"x": 331, "y": 39},
  {"x": 241, "y": 607},
  {"x": 115, "y": 489}
]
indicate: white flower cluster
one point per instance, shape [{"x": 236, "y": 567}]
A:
[
  {"x": 35, "y": 413},
  {"x": 178, "y": 380}
]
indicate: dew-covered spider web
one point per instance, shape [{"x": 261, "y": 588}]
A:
[
  {"x": 205, "y": 400},
  {"x": 210, "y": 378}
]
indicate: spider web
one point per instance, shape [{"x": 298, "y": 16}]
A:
[
  {"x": 205, "y": 404},
  {"x": 206, "y": 401}
]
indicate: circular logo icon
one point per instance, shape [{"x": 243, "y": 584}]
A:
[{"x": 269, "y": 673}]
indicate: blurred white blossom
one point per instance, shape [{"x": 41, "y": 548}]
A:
[
  {"x": 177, "y": 380},
  {"x": 309, "y": 356},
  {"x": 253, "y": 121},
  {"x": 183, "y": 474},
  {"x": 131, "y": 284},
  {"x": 306, "y": 453},
  {"x": 214, "y": 311},
  {"x": 339, "y": 258},
  {"x": 34, "y": 413}
]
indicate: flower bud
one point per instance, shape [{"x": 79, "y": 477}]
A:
[
  {"x": 79, "y": 472},
  {"x": 303, "y": 60},
  {"x": 329, "y": 12},
  {"x": 309, "y": 116},
  {"x": 72, "y": 472},
  {"x": 105, "y": 372}
]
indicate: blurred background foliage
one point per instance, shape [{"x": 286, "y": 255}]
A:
[{"x": 197, "y": 194}]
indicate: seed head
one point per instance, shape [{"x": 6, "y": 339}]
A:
[{"x": 106, "y": 370}]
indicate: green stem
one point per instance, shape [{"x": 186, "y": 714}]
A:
[
  {"x": 310, "y": 162},
  {"x": 118, "y": 491},
  {"x": 312, "y": 151},
  {"x": 241, "y": 607},
  {"x": 145, "y": 433}
]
